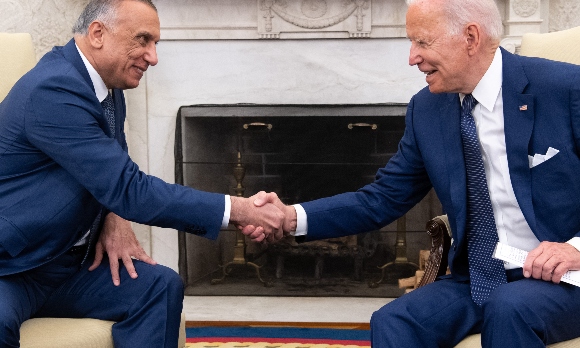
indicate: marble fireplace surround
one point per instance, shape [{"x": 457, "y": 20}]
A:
[{"x": 276, "y": 52}]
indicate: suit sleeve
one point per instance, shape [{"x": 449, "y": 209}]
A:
[
  {"x": 62, "y": 121},
  {"x": 401, "y": 184}
]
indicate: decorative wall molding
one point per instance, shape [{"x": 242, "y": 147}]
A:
[
  {"x": 525, "y": 8},
  {"x": 49, "y": 21},
  {"x": 310, "y": 17},
  {"x": 564, "y": 14}
]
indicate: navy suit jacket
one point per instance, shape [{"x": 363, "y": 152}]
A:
[
  {"x": 430, "y": 155},
  {"x": 59, "y": 167}
]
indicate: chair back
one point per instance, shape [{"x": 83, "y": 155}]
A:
[
  {"x": 561, "y": 45},
  {"x": 17, "y": 57}
]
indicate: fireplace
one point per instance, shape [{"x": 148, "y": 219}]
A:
[{"x": 301, "y": 152}]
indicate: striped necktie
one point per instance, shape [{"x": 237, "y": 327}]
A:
[{"x": 486, "y": 273}]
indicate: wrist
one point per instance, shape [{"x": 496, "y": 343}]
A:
[{"x": 290, "y": 220}]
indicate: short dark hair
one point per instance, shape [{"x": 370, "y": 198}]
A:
[{"x": 102, "y": 10}]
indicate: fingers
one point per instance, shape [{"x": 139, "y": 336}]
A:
[
  {"x": 98, "y": 257},
  {"x": 256, "y": 234},
  {"x": 114, "y": 265},
  {"x": 118, "y": 240},
  {"x": 128, "y": 262},
  {"x": 261, "y": 198},
  {"x": 142, "y": 256},
  {"x": 550, "y": 261}
]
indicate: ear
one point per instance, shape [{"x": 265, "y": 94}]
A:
[
  {"x": 96, "y": 33},
  {"x": 473, "y": 36}
]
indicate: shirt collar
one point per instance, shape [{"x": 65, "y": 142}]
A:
[
  {"x": 100, "y": 88},
  {"x": 488, "y": 88}
]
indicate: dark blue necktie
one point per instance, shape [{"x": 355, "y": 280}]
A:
[
  {"x": 486, "y": 273},
  {"x": 109, "y": 109}
]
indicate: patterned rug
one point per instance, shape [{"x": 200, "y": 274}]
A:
[{"x": 277, "y": 337}]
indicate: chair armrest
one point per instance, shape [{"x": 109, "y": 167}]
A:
[{"x": 440, "y": 241}]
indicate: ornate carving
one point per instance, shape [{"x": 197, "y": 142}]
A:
[
  {"x": 318, "y": 15},
  {"x": 564, "y": 14},
  {"x": 314, "y": 8},
  {"x": 525, "y": 8},
  {"x": 314, "y": 23}
]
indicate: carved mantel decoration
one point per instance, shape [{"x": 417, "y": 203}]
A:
[
  {"x": 525, "y": 8},
  {"x": 300, "y": 18}
]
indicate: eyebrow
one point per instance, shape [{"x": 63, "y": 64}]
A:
[{"x": 145, "y": 34}]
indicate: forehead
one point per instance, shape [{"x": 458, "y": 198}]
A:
[
  {"x": 135, "y": 16},
  {"x": 424, "y": 20}
]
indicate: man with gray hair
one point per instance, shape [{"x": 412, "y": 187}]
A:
[
  {"x": 473, "y": 135},
  {"x": 68, "y": 189}
]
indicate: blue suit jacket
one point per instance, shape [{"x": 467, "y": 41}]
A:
[
  {"x": 59, "y": 167},
  {"x": 430, "y": 154}
]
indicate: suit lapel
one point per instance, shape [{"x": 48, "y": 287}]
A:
[
  {"x": 71, "y": 54},
  {"x": 518, "y": 109}
]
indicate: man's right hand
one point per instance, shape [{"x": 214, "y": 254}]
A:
[
  {"x": 289, "y": 223},
  {"x": 268, "y": 216}
]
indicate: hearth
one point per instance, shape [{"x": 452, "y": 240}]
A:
[{"x": 301, "y": 152}]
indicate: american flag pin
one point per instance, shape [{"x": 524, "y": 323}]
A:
[{"x": 523, "y": 108}]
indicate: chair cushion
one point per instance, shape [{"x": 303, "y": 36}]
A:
[
  {"x": 474, "y": 341},
  {"x": 66, "y": 333},
  {"x": 73, "y": 333}
]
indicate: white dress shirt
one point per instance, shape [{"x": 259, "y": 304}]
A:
[{"x": 512, "y": 228}]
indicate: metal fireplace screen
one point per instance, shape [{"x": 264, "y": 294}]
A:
[{"x": 301, "y": 153}]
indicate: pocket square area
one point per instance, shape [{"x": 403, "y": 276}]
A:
[{"x": 539, "y": 159}]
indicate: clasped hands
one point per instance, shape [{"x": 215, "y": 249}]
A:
[{"x": 263, "y": 217}]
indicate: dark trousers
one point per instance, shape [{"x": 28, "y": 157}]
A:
[
  {"x": 522, "y": 313},
  {"x": 147, "y": 309}
]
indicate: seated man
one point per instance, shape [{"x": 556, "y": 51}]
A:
[
  {"x": 469, "y": 135},
  {"x": 67, "y": 185}
]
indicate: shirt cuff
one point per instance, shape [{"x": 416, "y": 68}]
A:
[
  {"x": 301, "y": 221},
  {"x": 575, "y": 242},
  {"x": 227, "y": 212}
]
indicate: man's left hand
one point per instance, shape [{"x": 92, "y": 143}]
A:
[
  {"x": 118, "y": 240},
  {"x": 550, "y": 261}
]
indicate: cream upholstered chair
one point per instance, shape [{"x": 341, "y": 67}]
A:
[
  {"x": 17, "y": 57},
  {"x": 560, "y": 46}
]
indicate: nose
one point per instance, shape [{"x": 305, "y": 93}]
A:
[
  {"x": 414, "y": 54},
  {"x": 151, "y": 54}
]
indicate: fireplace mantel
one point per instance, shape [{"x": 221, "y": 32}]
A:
[{"x": 319, "y": 19}]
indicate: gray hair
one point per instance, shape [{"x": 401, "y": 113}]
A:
[
  {"x": 461, "y": 12},
  {"x": 101, "y": 10}
]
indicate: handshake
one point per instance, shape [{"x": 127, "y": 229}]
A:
[{"x": 263, "y": 217}]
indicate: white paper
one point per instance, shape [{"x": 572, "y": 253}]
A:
[{"x": 517, "y": 256}]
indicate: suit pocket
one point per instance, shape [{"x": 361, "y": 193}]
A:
[{"x": 11, "y": 238}]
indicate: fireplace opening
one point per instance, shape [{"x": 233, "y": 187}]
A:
[{"x": 301, "y": 152}]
